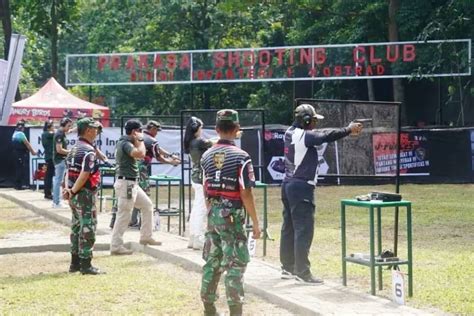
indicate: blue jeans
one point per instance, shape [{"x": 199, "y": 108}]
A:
[
  {"x": 298, "y": 226},
  {"x": 59, "y": 170}
]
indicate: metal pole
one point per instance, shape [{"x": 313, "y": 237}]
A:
[{"x": 397, "y": 181}]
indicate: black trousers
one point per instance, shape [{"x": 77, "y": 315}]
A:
[
  {"x": 298, "y": 226},
  {"x": 48, "y": 178},
  {"x": 21, "y": 169}
]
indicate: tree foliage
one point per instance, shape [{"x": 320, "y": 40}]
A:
[{"x": 85, "y": 26}]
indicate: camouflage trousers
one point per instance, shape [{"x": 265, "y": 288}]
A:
[
  {"x": 144, "y": 174},
  {"x": 225, "y": 250},
  {"x": 84, "y": 223}
]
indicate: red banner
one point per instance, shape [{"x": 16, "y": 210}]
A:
[{"x": 413, "y": 153}]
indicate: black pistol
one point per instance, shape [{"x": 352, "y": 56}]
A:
[{"x": 363, "y": 120}]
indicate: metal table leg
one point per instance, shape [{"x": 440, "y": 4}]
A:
[
  {"x": 343, "y": 244},
  {"x": 410, "y": 255},
  {"x": 379, "y": 244},
  {"x": 372, "y": 251}
]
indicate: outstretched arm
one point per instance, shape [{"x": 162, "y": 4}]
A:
[
  {"x": 30, "y": 148},
  {"x": 316, "y": 138},
  {"x": 165, "y": 157}
]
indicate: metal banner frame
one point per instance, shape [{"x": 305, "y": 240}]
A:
[{"x": 287, "y": 63}]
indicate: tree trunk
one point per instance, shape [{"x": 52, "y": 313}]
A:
[
  {"x": 54, "y": 40},
  {"x": 398, "y": 89},
  {"x": 370, "y": 89},
  {"x": 203, "y": 40}
]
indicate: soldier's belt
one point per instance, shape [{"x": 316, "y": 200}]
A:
[{"x": 127, "y": 178}]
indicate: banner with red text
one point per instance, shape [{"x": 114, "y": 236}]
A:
[
  {"x": 414, "y": 153},
  {"x": 318, "y": 62}
]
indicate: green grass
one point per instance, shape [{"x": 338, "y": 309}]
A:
[
  {"x": 15, "y": 220},
  {"x": 133, "y": 285},
  {"x": 443, "y": 240}
]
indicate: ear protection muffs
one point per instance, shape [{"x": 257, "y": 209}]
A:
[
  {"x": 307, "y": 119},
  {"x": 304, "y": 113}
]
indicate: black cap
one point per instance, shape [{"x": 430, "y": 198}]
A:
[
  {"x": 133, "y": 124},
  {"x": 21, "y": 123}
]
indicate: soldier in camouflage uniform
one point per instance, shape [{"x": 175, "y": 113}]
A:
[
  {"x": 83, "y": 179},
  {"x": 153, "y": 150},
  {"x": 228, "y": 179}
]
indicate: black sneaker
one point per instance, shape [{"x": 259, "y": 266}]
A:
[
  {"x": 309, "y": 280},
  {"x": 287, "y": 275},
  {"x": 91, "y": 271}
]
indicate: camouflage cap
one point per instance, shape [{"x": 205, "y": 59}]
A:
[
  {"x": 88, "y": 122},
  {"x": 307, "y": 110},
  {"x": 152, "y": 124},
  {"x": 227, "y": 115}
]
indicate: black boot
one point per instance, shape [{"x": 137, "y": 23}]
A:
[
  {"x": 87, "y": 268},
  {"x": 210, "y": 309},
  {"x": 235, "y": 310},
  {"x": 75, "y": 263}
]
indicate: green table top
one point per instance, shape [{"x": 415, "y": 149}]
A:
[
  {"x": 259, "y": 184},
  {"x": 107, "y": 169},
  {"x": 164, "y": 177},
  {"x": 354, "y": 202}
]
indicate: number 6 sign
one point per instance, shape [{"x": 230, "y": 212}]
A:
[{"x": 398, "y": 287}]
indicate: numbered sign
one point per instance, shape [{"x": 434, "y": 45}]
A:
[
  {"x": 398, "y": 287},
  {"x": 252, "y": 245}
]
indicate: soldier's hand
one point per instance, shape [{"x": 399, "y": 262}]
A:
[
  {"x": 355, "y": 128},
  {"x": 67, "y": 194},
  {"x": 256, "y": 232}
]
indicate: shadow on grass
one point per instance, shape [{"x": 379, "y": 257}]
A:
[{"x": 16, "y": 280}]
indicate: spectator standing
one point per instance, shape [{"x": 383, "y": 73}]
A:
[
  {"x": 21, "y": 148},
  {"x": 195, "y": 145},
  {"x": 60, "y": 152},
  {"x": 228, "y": 180},
  {"x": 47, "y": 142},
  {"x": 83, "y": 180}
]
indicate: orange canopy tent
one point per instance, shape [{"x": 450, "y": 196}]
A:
[{"x": 52, "y": 101}]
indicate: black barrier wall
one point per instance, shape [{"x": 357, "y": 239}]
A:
[
  {"x": 427, "y": 156},
  {"x": 447, "y": 155},
  {"x": 7, "y": 158},
  {"x": 450, "y": 156}
]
